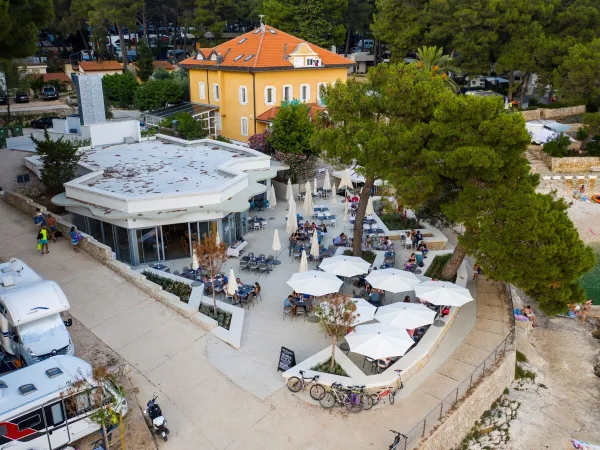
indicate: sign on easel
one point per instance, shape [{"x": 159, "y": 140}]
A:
[{"x": 287, "y": 359}]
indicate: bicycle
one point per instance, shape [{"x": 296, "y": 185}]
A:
[
  {"x": 366, "y": 401},
  {"x": 398, "y": 440},
  {"x": 349, "y": 397},
  {"x": 388, "y": 392},
  {"x": 317, "y": 391}
]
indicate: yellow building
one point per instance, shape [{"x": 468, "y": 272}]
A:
[{"x": 250, "y": 76}]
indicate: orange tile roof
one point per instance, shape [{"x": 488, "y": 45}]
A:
[
  {"x": 268, "y": 49},
  {"x": 270, "y": 114},
  {"x": 60, "y": 76},
  {"x": 94, "y": 66},
  {"x": 164, "y": 65}
]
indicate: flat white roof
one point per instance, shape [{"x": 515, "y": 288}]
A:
[{"x": 156, "y": 167}]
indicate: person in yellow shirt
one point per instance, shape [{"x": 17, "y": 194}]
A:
[{"x": 43, "y": 240}]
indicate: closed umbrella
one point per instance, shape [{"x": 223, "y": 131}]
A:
[
  {"x": 346, "y": 212},
  {"x": 303, "y": 263},
  {"x": 292, "y": 222},
  {"x": 308, "y": 201},
  {"x": 370, "y": 210},
  {"x": 232, "y": 286},
  {"x": 443, "y": 293},
  {"x": 346, "y": 181},
  {"x": 314, "y": 283},
  {"x": 218, "y": 238},
  {"x": 195, "y": 264},
  {"x": 276, "y": 242},
  {"x": 326, "y": 181},
  {"x": 314, "y": 247},
  {"x": 333, "y": 199},
  {"x": 345, "y": 266},
  {"x": 272, "y": 197},
  {"x": 365, "y": 312},
  {"x": 407, "y": 316},
  {"x": 315, "y": 191},
  {"x": 379, "y": 341},
  {"x": 289, "y": 193},
  {"x": 393, "y": 280}
]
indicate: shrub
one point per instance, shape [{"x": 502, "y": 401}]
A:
[
  {"x": 558, "y": 147},
  {"x": 120, "y": 89},
  {"x": 437, "y": 266},
  {"x": 521, "y": 357},
  {"x": 325, "y": 367},
  {"x": 156, "y": 94},
  {"x": 223, "y": 318},
  {"x": 521, "y": 373},
  {"x": 593, "y": 148},
  {"x": 181, "y": 290},
  {"x": 582, "y": 133},
  {"x": 399, "y": 222}
]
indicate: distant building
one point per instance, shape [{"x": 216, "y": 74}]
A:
[{"x": 100, "y": 67}]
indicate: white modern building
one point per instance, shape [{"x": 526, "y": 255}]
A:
[{"x": 150, "y": 200}]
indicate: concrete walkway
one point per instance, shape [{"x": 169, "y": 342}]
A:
[{"x": 205, "y": 410}]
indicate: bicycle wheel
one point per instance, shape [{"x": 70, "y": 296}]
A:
[
  {"x": 317, "y": 392},
  {"x": 375, "y": 399},
  {"x": 366, "y": 402},
  {"x": 328, "y": 400},
  {"x": 354, "y": 408},
  {"x": 392, "y": 397},
  {"x": 294, "y": 384}
]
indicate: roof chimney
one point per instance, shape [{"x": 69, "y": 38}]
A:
[
  {"x": 284, "y": 51},
  {"x": 263, "y": 28}
]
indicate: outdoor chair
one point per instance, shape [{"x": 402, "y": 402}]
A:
[
  {"x": 176, "y": 272},
  {"x": 371, "y": 361},
  {"x": 247, "y": 300},
  {"x": 270, "y": 258},
  {"x": 251, "y": 255},
  {"x": 262, "y": 268},
  {"x": 296, "y": 253},
  {"x": 301, "y": 311},
  {"x": 261, "y": 257},
  {"x": 256, "y": 226},
  {"x": 287, "y": 311},
  {"x": 253, "y": 265},
  {"x": 243, "y": 264}
]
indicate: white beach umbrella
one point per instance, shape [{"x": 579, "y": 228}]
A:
[
  {"x": 346, "y": 212},
  {"x": 289, "y": 193},
  {"x": 218, "y": 238},
  {"x": 326, "y": 181},
  {"x": 314, "y": 246},
  {"x": 393, "y": 280},
  {"x": 379, "y": 341},
  {"x": 272, "y": 197},
  {"x": 314, "y": 283},
  {"x": 231, "y": 283},
  {"x": 345, "y": 266},
  {"x": 276, "y": 242},
  {"x": 292, "y": 222},
  {"x": 407, "y": 316},
  {"x": 315, "y": 191},
  {"x": 195, "y": 264},
  {"x": 333, "y": 199},
  {"x": 308, "y": 201},
  {"x": 365, "y": 312},
  {"x": 443, "y": 293},
  {"x": 303, "y": 263},
  {"x": 370, "y": 210},
  {"x": 345, "y": 180}
]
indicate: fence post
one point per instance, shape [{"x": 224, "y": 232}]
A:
[
  {"x": 424, "y": 424},
  {"x": 483, "y": 372},
  {"x": 471, "y": 381},
  {"x": 441, "y": 408},
  {"x": 496, "y": 355},
  {"x": 455, "y": 401}
]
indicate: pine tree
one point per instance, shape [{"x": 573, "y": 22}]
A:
[{"x": 145, "y": 62}]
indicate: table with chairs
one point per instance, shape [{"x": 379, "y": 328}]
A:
[
  {"x": 257, "y": 223},
  {"x": 260, "y": 264}
]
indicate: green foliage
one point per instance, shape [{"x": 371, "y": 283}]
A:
[
  {"x": 20, "y": 23},
  {"x": 325, "y": 367},
  {"x": 189, "y": 127},
  {"x": 223, "y": 318},
  {"x": 145, "y": 62},
  {"x": 292, "y": 130},
  {"x": 579, "y": 75},
  {"x": 397, "y": 221},
  {"x": 120, "y": 89},
  {"x": 60, "y": 160},
  {"x": 432, "y": 60},
  {"x": 437, "y": 266},
  {"x": 156, "y": 94},
  {"x": 161, "y": 74},
  {"x": 558, "y": 147},
  {"x": 521, "y": 374},
  {"x": 223, "y": 139},
  {"x": 181, "y": 290},
  {"x": 521, "y": 358}
]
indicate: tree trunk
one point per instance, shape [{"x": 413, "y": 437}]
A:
[
  {"x": 524, "y": 87},
  {"x": 145, "y": 23},
  {"x": 348, "y": 35},
  {"x": 360, "y": 215},
  {"x": 7, "y": 106},
  {"x": 585, "y": 142},
  {"x": 511, "y": 82},
  {"x": 333, "y": 345},
  {"x": 105, "y": 437},
  {"x": 84, "y": 39},
  {"x": 212, "y": 274},
  {"x": 451, "y": 267},
  {"x": 123, "y": 47}
]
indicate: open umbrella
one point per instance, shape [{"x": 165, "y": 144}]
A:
[
  {"x": 443, "y": 293},
  {"x": 314, "y": 246},
  {"x": 326, "y": 181},
  {"x": 315, "y": 191},
  {"x": 218, "y": 238},
  {"x": 303, "y": 263},
  {"x": 346, "y": 181},
  {"x": 292, "y": 222},
  {"x": 370, "y": 210},
  {"x": 364, "y": 311},
  {"x": 231, "y": 283},
  {"x": 272, "y": 197},
  {"x": 308, "y": 201},
  {"x": 289, "y": 193},
  {"x": 407, "y": 316},
  {"x": 333, "y": 199},
  {"x": 314, "y": 283},
  {"x": 345, "y": 266},
  {"x": 379, "y": 340},
  {"x": 393, "y": 280}
]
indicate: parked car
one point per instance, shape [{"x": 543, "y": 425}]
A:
[
  {"x": 3, "y": 98},
  {"x": 50, "y": 93},
  {"x": 21, "y": 97},
  {"x": 43, "y": 123}
]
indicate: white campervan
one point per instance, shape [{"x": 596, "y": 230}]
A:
[
  {"x": 48, "y": 405},
  {"x": 30, "y": 322}
]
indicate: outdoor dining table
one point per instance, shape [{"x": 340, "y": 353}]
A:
[{"x": 159, "y": 266}]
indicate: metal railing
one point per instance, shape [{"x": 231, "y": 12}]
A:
[{"x": 431, "y": 420}]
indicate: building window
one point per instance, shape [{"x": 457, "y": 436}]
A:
[
  {"x": 305, "y": 92},
  {"x": 201, "y": 90},
  {"x": 288, "y": 93},
  {"x": 244, "y": 126},
  {"x": 243, "y": 95},
  {"x": 321, "y": 93},
  {"x": 216, "y": 92},
  {"x": 270, "y": 95}
]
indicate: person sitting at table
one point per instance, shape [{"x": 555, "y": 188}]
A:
[
  {"x": 339, "y": 240},
  {"x": 444, "y": 311},
  {"x": 239, "y": 282},
  {"x": 323, "y": 228},
  {"x": 256, "y": 289},
  {"x": 422, "y": 247},
  {"x": 355, "y": 199},
  {"x": 412, "y": 261},
  {"x": 368, "y": 287},
  {"x": 289, "y": 302},
  {"x": 383, "y": 364},
  {"x": 407, "y": 299},
  {"x": 307, "y": 226},
  {"x": 314, "y": 226}
]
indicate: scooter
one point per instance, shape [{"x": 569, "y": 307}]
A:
[{"x": 159, "y": 423}]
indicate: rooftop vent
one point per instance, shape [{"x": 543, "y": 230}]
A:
[
  {"x": 238, "y": 57},
  {"x": 249, "y": 57},
  {"x": 272, "y": 31},
  {"x": 3, "y": 385},
  {"x": 53, "y": 372},
  {"x": 27, "y": 389},
  {"x": 256, "y": 31},
  {"x": 241, "y": 41}
]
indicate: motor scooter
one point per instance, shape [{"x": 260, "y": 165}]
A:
[{"x": 159, "y": 423}]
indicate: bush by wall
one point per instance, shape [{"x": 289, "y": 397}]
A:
[{"x": 181, "y": 290}]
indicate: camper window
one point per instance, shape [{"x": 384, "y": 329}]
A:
[
  {"x": 54, "y": 414},
  {"x": 30, "y": 422},
  {"x": 77, "y": 404},
  {"x": 3, "y": 430}
]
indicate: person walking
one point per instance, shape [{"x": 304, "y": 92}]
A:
[
  {"x": 51, "y": 223},
  {"x": 75, "y": 239},
  {"x": 43, "y": 240}
]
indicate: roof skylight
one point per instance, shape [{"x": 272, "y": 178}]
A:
[
  {"x": 256, "y": 31},
  {"x": 238, "y": 57},
  {"x": 241, "y": 41},
  {"x": 272, "y": 31},
  {"x": 249, "y": 57}
]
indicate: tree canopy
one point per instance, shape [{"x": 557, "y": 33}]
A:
[
  {"x": 156, "y": 94},
  {"x": 60, "y": 160},
  {"x": 120, "y": 88},
  {"x": 145, "y": 62},
  {"x": 20, "y": 22}
]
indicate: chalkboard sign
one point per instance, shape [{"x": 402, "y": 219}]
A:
[{"x": 287, "y": 359}]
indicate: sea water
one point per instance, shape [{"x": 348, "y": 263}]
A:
[{"x": 591, "y": 280}]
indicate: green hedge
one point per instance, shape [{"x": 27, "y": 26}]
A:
[
  {"x": 181, "y": 290},
  {"x": 398, "y": 222},
  {"x": 223, "y": 318},
  {"x": 437, "y": 266},
  {"x": 325, "y": 367}
]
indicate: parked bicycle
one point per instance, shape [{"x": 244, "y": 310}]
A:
[
  {"x": 389, "y": 392},
  {"x": 400, "y": 438},
  {"x": 295, "y": 384},
  {"x": 353, "y": 398}
]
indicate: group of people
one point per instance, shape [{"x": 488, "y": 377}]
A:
[
  {"x": 295, "y": 301},
  {"x": 48, "y": 232}
]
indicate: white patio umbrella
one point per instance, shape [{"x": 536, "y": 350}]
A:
[
  {"x": 292, "y": 222},
  {"x": 379, "y": 341},
  {"x": 272, "y": 197},
  {"x": 195, "y": 264},
  {"x": 326, "y": 181},
  {"x": 333, "y": 199},
  {"x": 346, "y": 181},
  {"x": 346, "y": 212},
  {"x": 443, "y": 293},
  {"x": 345, "y": 266},
  {"x": 364, "y": 310},
  {"x": 308, "y": 201},
  {"x": 370, "y": 210},
  {"x": 407, "y": 316},
  {"x": 276, "y": 242},
  {"x": 231, "y": 283},
  {"x": 393, "y": 280},
  {"x": 289, "y": 193},
  {"x": 315, "y": 191},
  {"x": 314, "y": 283},
  {"x": 218, "y": 238},
  {"x": 303, "y": 263},
  {"x": 314, "y": 246}
]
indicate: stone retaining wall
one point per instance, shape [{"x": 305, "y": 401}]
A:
[
  {"x": 29, "y": 115},
  {"x": 549, "y": 113},
  {"x": 574, "y": 164},
  {"x": 459, "y": 422}
]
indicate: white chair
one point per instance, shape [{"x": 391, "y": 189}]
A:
[
  {"x": 263, "y": 224},
  {"x": 256, "y": 226},
  {"x": 332, "y": 222}
]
